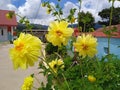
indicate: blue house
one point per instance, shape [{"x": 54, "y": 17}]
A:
[{"x": 103, "y": 42}]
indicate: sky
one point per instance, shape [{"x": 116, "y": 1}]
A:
[{"x": 36, "y": 14}]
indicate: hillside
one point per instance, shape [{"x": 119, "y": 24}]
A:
[{"x": 21, "y": 27}]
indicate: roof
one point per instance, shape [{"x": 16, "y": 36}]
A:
[
  {"x": 99, "y": 32},
  {"x": 35, "y": 30},
  {"x": 5, "y": 21}
]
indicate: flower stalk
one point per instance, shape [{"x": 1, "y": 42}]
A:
[
  {"x": 110, "y": 23},
  {"x": 66, "y": 81}
]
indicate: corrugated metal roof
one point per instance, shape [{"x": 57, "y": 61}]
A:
[{"x": 4, "y": 21}]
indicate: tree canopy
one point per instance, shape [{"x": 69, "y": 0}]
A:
[
  {"x": 86, "y": 21},
  {"x": 105, "y": 15}
]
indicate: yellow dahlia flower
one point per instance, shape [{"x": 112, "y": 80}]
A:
[
  {"x": 28, "y": 83},
  {"x": 86, "y": 45},
  {"x": 55, "y": 64},
  {"x": 26, "y": 51},
  {"x": 59, "y": 33}
]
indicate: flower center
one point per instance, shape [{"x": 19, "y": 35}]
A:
[
  {"x": 19, "y": 47},
  {"x": 55, "y": 66},
  {"x": 59, "y": 33},
  {"x": 84, "y": 47}
]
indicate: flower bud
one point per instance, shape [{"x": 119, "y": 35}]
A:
[
  {"x": 48, "y": 11},
  {"x": 91, "y": 78},
  {"x": 9, "y": 16},
  {"x": 72, "y": 19},
  {"x": 43, "y": 4}
]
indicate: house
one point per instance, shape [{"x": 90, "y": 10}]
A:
[
  {"x": 7, "y": 26},
  {"x": 103, "y": 42}
]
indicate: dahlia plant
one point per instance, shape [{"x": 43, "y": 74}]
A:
[
  {"x": 79, "y": 70},
  {"x": 68, "y": 62}
]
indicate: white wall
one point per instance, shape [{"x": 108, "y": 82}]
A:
[{"x": 3, "y": 37}]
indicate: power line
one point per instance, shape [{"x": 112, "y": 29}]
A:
[{"x": 37, "y": 12}]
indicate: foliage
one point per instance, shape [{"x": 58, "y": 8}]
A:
[
  {"x": 86, "y": 21},
  {"x": 54, "y": 10},
  {"x": 24, "y": 20},
  {"x": 105, "y": 15},
  {"x": 71, "y": 18},
  {"x": 50, "y": 48},
  {"x": 106, "y": 72}
]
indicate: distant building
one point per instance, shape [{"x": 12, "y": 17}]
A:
[
  {"x": 7, "y": 26},
  {"x": 103, "y": 42},
  {"x": 37, "y": 32}
]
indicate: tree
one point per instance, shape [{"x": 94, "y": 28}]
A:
[
  {"x": 86, "y": 21},
  {"x": 105, "y": 15}
]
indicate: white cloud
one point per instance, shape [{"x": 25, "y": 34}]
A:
[
  {"x": 11, "y": 7},
  {"x": 34, "y": 12},
  {"x": 117, "y": 4},
  {"x": 6, "y": 5},
  {"x": 67, "y": 7},
  {"x": 30, "y": 8},
  {"x": 42, "y": 21},
  {"x": 95, "y": 6},
  {"x": 37, "y": 14}
]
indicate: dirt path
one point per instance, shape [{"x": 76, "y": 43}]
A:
[{"x": 9, "y": 78}]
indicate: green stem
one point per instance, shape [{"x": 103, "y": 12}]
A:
[
  {"x": 35, "y": 88},
  {"x": 111, "y": 13},
  {"x": 58, "y": 55},
  {"x": 81, "y": 70},
  {"x": 59, "y": 17},
  {"x": 108, "y": 45},
  {"x": 84, "y": 27},
  {"x": 66, "y": 81},
  {"x": 18, "y": 15},
  {"x": 25, "y": 24},
  {"x": 80, "y": 1}
]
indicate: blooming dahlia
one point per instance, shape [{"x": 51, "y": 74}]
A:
[
  {"x": 86, "y": 45},
  {"x": 56, "y": 64},
  {"x": 28, "y": 83},
  {"x": 59, "y": 33},
  {"x": 26, "y": 51}
]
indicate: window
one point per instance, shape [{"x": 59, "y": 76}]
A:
[
  {"x": 1, "y": 31},
  {"x": 106, "y": 50}
]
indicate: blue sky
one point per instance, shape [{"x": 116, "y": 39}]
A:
[
  {"x": 37, "y": 14},
  {"x": 18, "y": 3}
]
